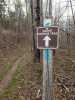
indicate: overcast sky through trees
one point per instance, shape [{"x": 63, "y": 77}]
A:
[{"x": 56, "y": 4}]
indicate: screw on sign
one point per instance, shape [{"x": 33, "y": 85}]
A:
[{"x": 47, "y": 37}]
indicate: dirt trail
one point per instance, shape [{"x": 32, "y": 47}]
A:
[{"x": 7, "y": 79}]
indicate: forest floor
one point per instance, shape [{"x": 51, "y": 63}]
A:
[
  {"x": 64, "y": 75},
  {"x": 8, "y": 77},
  {"x": 22, "y": 78},
  {"x": 22, "y": 81}
]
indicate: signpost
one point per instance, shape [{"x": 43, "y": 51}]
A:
[{"x": 47, "y": 39}]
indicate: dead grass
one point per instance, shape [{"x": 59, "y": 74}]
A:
[
  {"x": 64, "y": 77},
  {"x": 26, "y": 81}
]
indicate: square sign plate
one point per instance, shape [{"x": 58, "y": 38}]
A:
[{"x": 47, "y": 37}]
